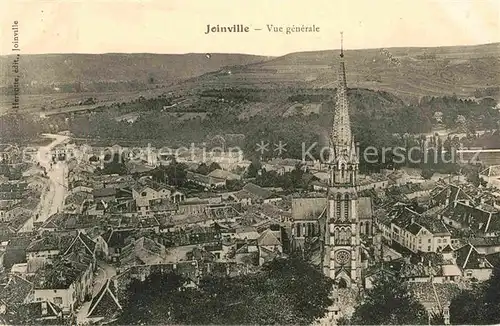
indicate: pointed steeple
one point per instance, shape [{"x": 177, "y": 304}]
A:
[{"x": 341, "y": 137}]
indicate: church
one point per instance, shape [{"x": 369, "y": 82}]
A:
[{"x": 333, "y": 224}]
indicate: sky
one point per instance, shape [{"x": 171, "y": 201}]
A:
[{"x": 178, "y": 26}]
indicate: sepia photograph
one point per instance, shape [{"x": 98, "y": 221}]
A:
[{"x": 265, "y": 162}]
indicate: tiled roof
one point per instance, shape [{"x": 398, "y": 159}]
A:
[
  {"x": 257, "y": 191},
  {"x": 104, "y": 192},
  {"x": 15, "y": 291},
  {"x": 105, "y": 303},
  {"x": 59, "y": 275},
  {"x": 50, "y": 242},
  {"x": 474, "y": 217},
  {"x": 469, "y": 258},
  {"x": 308, "y": 208},
  {"x": 223, "y": 174},
  {"x": 365, "y": 209},
  {"x": 268, "y": 238},
  {"x": 447, "y": 249},
  {"x": 34, "y": 310},
  {"x": 494, "y": 259},
  {"x": 18, "y": 221},
  {"x": 414, "y": 228},
  {"x": 143, "y": 251}
]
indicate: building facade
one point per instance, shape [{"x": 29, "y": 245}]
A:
[{"x": 342, "y": 241}]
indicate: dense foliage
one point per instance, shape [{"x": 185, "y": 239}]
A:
[
  {"x": 479, "y": 305},
  {"x": 284, "y": 292},
  {"x": 389, "y": 302}
]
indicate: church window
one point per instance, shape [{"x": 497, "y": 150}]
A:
[
  {"x": 298, "y": 230},
  {"x": 338, "y": 203},
  {"x": 346, "y": 209}
]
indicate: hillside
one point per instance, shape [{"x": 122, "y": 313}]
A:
[
  {"x": 60, "y": 69},
  {"x": 64, "y": 81},
  {"x": 406, "y": 72}
]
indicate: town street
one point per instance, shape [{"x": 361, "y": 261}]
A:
[
  {"x": 53, "y": 201},
  {"x": 104, "y": 272}
]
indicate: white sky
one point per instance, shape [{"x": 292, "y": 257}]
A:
[{"x": 178, "y": 26}]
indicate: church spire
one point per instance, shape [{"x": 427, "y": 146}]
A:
[{"x": 341, "y": 137}]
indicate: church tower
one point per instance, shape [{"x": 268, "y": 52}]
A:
[{"x": 342, "y": 255}]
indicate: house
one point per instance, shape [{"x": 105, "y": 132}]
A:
[
  {"x": 254, "y": 194},
  {"x": 21, "y": 223},
  {"x": 41, "y": 313},
  {"x": 270, "y": 240},
  {"x": 224, "y": 175},
  {"x": 146, "y": 193},
  {"x": 20, "y": 209},
  {"x": 104, "y": 194},
  {"x": 242, "y": 197},
  {"x": 450, "y": 194},
  {"x": 482, "y": 219},
  {"x": 435, "y": 297},
  {"x": 105, "y": 303},
  {"x": 473, "y": 264},
  {"x": 14, "y": 294},
  {"x": 188, "y": 269},
  {"x": 282, "y": 166},
  {"x": 419, "y": 233},
  {"x": 193, "y": 207},
  {"x": 15, "y": 251},
  {"x": 4, "y": 208},
  {"x": 67, "y": 282},
  {"x": 9, "y": 154},
  {"x": 115, "y": 241},
  {"x": 50, "y": 246},
  {"x": 373, "y": 181},
  {"x": 206, "y": 181},
  {"x": 142, "y": 251}
]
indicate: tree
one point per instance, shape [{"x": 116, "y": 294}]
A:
[
  {"x": 253, "y": 169},
  {"x": 214, "y": 166},
  {"x": 203, "y": 169},
  {"x": 389, "y": 302},
  {"x": 114, "y": 163},
  {"x": 427, "y": 173},
  {"x": 479, "y": 305},
  {"x": 275, "y": 295},
  {"x": 465, "y": 308}
]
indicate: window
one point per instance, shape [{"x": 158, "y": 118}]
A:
[
  {"x": 58, "y": 300},
  {"x": 429, "y": 248},
  {"x": 144, "y": 194},
  {"x": 420, "y": 241},
  {"x": 429, "y": 241},
  {"x": 439, "y": 240},
  {"x": 346, "y": 209}
]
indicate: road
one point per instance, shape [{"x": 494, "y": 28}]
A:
[
  {"x": 104, "y": 272},
  {"x": 53, "y": 201}
]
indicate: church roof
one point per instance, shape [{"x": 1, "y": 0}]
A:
[{"x": 341, "y": 137}]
